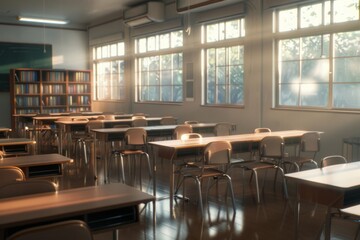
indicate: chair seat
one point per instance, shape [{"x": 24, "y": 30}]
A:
[
  {"x": 198, "y": 172},
  {"x": 130, "y": 152}
]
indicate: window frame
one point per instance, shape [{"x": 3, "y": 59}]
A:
[
  {"x": 217, "y": 45},
  {"x": 324, "y": 29},
  {"x": 159, "y": 52},
  {"x": 119, "y": 56}
]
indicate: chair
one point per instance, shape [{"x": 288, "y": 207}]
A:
[
  {"x": 222, "y": 129},
  {"x": 10, "y": 174},
  {"x": 309, "y": 146},
  {"x": 214, "y": 164},
  {"x": 255, "y": 146},
  {"x": 191, "y": 122},
  {"x": 135, "y": 146},
  {"x": 139, "y": 121},
  {"x": 109, "y": 117},
  {"x": 332, "y": 160},
  {"x": 70, "y": 229},
  {"x": 271, "y": 150},
  {"x": 181, "y": 129},
  {"x": 20, "y": 188},
  {"x": 168, "y": 121},
  {"x": 87, "y": 138},
  {"x": 262, "y": 130}
]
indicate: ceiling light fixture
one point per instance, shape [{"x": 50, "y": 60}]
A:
[{"x": 42, "y": 20}]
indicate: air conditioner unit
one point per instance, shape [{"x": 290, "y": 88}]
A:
[
  {"x": 145, "y": 13},
  {"x": 183, "y": 6}
]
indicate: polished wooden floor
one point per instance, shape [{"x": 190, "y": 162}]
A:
[{"x": 273, "y": 218}]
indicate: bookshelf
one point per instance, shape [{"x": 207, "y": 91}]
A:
[{"x": 45, "y": 91}]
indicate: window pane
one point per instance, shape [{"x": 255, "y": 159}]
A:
[
  {"x": 142, "y": 45},
  {"x": 288, "y": 20},
  {"x": 314, "y": 95},
  {"x": 315, "y": 47},
  {"x": 177, "y": 39},
  {"x": 212, "y": 33},
  {"x": 347, "y": 44},
  {"x": 232, "y": 29},
  {"x": 289, "y": 72},
  {"x": 346, "y": 96},
  {"x": 315, "y": 70},
  {"x": 164, "y": 41},
  {"x": 113, "y": 50},
  {"x": 346, "y": 10},
  {"x": 105, "y": 51},
  {"x": 289, "y": 49},
  {"x": 289, "y": 94},
  {"x": 121, "y": 49},
  {"x": 311, "y": 15},
  {"x": 347, "y": 70}
]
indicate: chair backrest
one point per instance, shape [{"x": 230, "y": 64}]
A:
[
  {"x": 187, "y": 136},
  {"x": 94, "y": 124},
  {"x": 100, "y": 117},
  {"x": 139, "y": 122},
  {"x": 191, "y": 122},
  {"x": 310, "y": 142},
  {"x": 136, "y": 136},
  {"x": 262, "y": 130},
  {"x": 70, "y": 229},
  {"x": 217, "y": 152},
  {"x": 21, "y": 188},
  {"x": 222, "y": 129},
  {"x": 81, "y": 119},
  {"x": 168, "y": 121},
  {"x": 272, "y": 147},
  {"x": 109, "y": 117},
  {"x": 10, "y": 174},
  {"x": 332, "y": 160},
  {"x": 181, "y": 129}
]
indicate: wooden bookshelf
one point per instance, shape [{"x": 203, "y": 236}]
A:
[{"x": 35, "y": 91}]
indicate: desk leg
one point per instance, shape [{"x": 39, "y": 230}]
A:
[
  {"x": 327, "y": 226},
  {"x": 297, "y": 215}
]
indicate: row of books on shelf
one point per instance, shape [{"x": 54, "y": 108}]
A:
[
  {"x": 27, "y": 76},
  {"x": 79, "y": 100},
  {"x": 27, "y": 101},
  {"x": 54, "y": 76},
  {"x": 54, "y": 89},
  {"x": 51, "y": 101},
  {"x": 79, "y": 88},
  {"x": 51, "y": 76},
  {"x": 27, "y": 89},
  {"x": 79, "y": 77}
]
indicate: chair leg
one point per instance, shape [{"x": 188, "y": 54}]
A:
[
  {"x": 257, "y": 185},
  {"x": 284, "y": 181},
  {"x": 231, "y": 191},
  {"x": 200, "y": 196}
]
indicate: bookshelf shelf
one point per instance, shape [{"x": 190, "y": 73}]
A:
[{"x": 42, "y": 91}]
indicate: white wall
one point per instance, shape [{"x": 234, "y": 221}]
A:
[{"x": 69, "y": 48}]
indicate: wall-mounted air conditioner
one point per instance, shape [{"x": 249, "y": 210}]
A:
[
  {"x": 183, "y": 6},
  {"x": 145, "y": 13}
]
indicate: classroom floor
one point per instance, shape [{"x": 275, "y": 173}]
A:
[{"x": 273, "y": 218}]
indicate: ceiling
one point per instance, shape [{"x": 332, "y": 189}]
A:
[{"x": 79, "y": 13}]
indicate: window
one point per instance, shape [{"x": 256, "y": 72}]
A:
[
  {"x": 319, "y": 70},
  {"x": 159, "y": 68},
  {"x": 224, "y": 62},
  {"x": 108, "y": 68}
]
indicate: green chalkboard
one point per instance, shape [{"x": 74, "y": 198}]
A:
[{"x": 22, "y": 55}]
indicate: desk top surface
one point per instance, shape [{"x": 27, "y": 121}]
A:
[
  {"x": 15, "y": 141},
  {"x": 106, "y": 121},
  {"x": 151, "y": 128},
  {"x": 5, "y": 129},
  {"x": 67, "y": 203},
  {"x": 250, "y": 137},
  {"x": 341, "y": 176},
  {"x": 35, "y": 160}
]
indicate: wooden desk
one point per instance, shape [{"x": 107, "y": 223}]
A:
[
  {"x": 16, "y": 146},
  {"x": 103, "y": 207},
  {"x": 336, "y": 186},
  {"x": 4, "y": 132},
  {"x": 171, "y": 149},
  {"x": 107, "y": 135},
  {"x": 43, "y": 165}
]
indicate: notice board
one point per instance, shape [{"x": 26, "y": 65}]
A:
[{"x": 22, "y": 55}]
